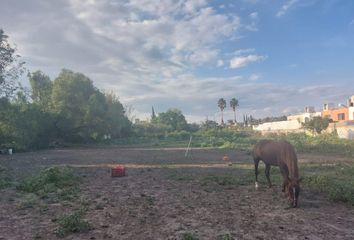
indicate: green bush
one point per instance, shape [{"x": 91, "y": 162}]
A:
[
  {"x": 188, "y": 236},
  {"x": 72, "y": 223},
  {"x": 51, "y": 180},
  {"x": 5, "y": 180},
  {"x": 336, "y": 183}
]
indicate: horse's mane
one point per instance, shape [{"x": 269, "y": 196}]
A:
[{"x": 289, "y": 157}]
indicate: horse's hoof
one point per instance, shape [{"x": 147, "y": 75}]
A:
[{"x": 256, "y": 185}]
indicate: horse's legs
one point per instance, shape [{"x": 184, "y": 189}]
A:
[
  {"x": 285, "y": 173},
  {"x": 256, "y": 162},
  {"x": 267, "y": 169}
]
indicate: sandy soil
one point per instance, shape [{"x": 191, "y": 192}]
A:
[{"x": 164, "y": 196}]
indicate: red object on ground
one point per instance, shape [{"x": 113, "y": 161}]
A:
[
  {"x": 118, "y": 171},
  {"x": 226, "y": 158}
]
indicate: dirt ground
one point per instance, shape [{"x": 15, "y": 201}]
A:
[{"x": 164, "y": 196}]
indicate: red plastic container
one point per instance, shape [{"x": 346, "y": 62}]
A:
[{"x": 118, "y": 171}]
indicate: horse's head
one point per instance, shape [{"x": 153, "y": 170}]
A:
[{"x": 293, "y": 190}]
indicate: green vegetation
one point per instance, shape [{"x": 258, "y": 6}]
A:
[
  {"x": 28, "y": 200},
  {"x": 188, "y": 236},
  {"x": 317, "y": 124},
  {"x": 10, "y": 67},
  {"x": 5, "y": 180},
  {"x": 220, "y": 180},
  {"x": 54, "y": 181},
  {"x": 69, "y": 109},
  {"x": 336, "y": 181},
  {"x": 227, "y": 236},
  {"x": 72, "y": 223}
]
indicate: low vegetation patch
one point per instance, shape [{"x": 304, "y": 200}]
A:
[
  {"x": 5, "y": 180},
  {"x": 188, "y": 236},
  {"x": 336, "y": 181},
  {"x": 61, "y": 182},
  {"x": 72, "y": 223},
  {"x": 28, "y": 200},
  {"x": 227, "y": 236},
  {"x": 244, "y": 139}
]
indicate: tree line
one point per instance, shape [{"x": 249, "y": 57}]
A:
[{"x": 67, "y": 109}]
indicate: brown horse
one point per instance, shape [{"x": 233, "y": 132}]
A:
[{"x": 282, "y": 154}]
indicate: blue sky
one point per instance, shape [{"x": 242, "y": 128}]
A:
[{"x": 275, "y": 56}]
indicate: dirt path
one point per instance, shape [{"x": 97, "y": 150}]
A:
[{"x": 166, "y": 195}]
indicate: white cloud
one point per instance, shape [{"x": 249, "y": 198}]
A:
[
  {"x": 286, "y": 7},
  {"x": 242, "y": 61},
  {"x": 243, "y": 51},
  {"x": 220, "y": 63},
  {"x": 254, "y": 77},
  {"x": 254, "y": 15}
]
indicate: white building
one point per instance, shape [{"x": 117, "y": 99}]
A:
[
  {"x": 351, "y": 108},
  {"x": 351, "y": 113},
  {"x": 306, "y": 116},
  {"x": 280, "y": 126},
  {"x": 344, "y": 129}
]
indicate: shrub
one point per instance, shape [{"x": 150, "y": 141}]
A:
[
  {"x": 188, "y": 236},
  {"x": 5, "y": 180},
  {"x": 51, "y": 180},
  {"x": 337, "y": 185},
  {"x": 72, "y": 223}
]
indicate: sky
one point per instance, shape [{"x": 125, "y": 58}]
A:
[{"x": 274, "y": 56}]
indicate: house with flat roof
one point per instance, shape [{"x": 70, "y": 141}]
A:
[{"x": 336, "y": 114}]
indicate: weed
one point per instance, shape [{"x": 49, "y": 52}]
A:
[
  {"x": 72, "y": 223},
  {"x": 28, "y": 200},
  {"x": 227, "y": 236},
  {"x": 188, "y": 236},
  {"x": 58, "y": 181},
  {"x": 220, "y": 180},
  {"x": 181, "y": 177},
  {"x": 337, "y": 182},
  {"x": 5, "y": 180}
]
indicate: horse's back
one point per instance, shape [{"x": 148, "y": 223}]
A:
[
  {"x": 266, "y": 150},
  {"x": 272, "y": 151},
  {"x": 276, "y": 153}
]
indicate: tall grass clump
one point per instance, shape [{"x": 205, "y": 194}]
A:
[
  {"x": 72, "y": 223},
  {"x": 57, "y": 180},
  {"x": 5, "y": 180},
  {"x": 337, "y": 182}
]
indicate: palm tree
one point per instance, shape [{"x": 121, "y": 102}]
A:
[
  {"x": 234, "y": 105},
  {"x": 222, "y": 105}
]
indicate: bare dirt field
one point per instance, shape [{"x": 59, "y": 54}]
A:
[{"x": 166, "y": 195}]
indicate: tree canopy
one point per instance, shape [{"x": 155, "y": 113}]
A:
[
  {"x": 173, "y": 118},
  {"x": 68, "y": 109},
  {"x": 317, "y": 124},
  {"x": 10, "y": 67}
]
